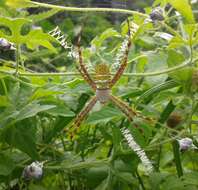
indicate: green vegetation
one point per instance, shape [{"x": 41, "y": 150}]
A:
[{"x": 42, "y": 92}]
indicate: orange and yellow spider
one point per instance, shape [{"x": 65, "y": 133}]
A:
[{"x": 101, "y": 81}]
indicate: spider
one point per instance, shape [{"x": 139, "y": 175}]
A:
[{"x": 101, "y": 82}]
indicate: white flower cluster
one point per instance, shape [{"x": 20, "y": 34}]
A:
[
  {"x": 136, "y": 148},
  {"x": 56, "y": 33},
  {"x": 186, "y": 143},
  {"x": 33, "y": 171},
  {"x": 118, "y": 60}
]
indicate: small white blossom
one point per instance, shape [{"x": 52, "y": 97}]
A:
[
  {"x": 186, "y": 143},
  {"x": 136, "y": 148},
  {"x": 33, "y": 171},
  {"x": 6, "y": 45}
]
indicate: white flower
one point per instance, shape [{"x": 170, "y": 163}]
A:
[
  {"x": 136, "y": 148},
  {"x": 186, "y": 143},
  {"x": 6, "y": 45},
  {"x": 33, "y": 171}
]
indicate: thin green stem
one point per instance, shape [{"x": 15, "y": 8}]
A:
[
  {"x": 79, "y": 9},
  {"x": 4, "y": 87},
  {"x": 17, "y": 58},
  {"x": 147, "y": 74},
  {"x": 177, "y": 159},
  {"x": 140, "y": 180}
]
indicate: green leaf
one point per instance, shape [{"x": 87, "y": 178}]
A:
[
  {"x": 31, "y": 110},
  {"x": 184, "y": 8},
  {"x": 43, "y": 15},
  {"x": 22, "y": 136},
  {"x": 41, "y": 93},
  {"x": 33, "y": 39},
  {"x": 61, "y": 110},
  {"x": 176, "y": 58},
  {"x": 104, "y": 115},
  {"x": 18, "y": 3},
  {"x": 36, "y": 187},
  {"x": 6, "y": 164},
  {"x": 98, "y": 40},
  {"x": 4, "y": 102}
]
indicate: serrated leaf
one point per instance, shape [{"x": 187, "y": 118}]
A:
[{"x": 35, "y": 38}]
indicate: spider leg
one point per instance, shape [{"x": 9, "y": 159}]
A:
[
  {"x": 123, "y": 107},
  {"x": 82, "y": 69},
  {"x": 81, "y": 116},
  {"x": 123, "y": 61},
  {"x": 129, "y": 110}
]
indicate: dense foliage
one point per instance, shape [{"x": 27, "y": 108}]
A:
[{"x": 41, "y": 92}]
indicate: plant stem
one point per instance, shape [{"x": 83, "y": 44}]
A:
[
  {"x": 17, "y": 58},
  {"x": 140, "y": 180},
  {"x": 79, "y": 9},
  {"x": 176, "y": 153},
  {"x": 147, "y": 74},
  {"x": 4, "y": 87}
]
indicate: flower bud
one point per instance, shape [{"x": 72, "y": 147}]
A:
[
  {"x": 157, "y": 14},
  {"x": 174, "y": 120},
  {"x": 185, "y": 143},
  {"x": 5, "y": 44},
  {"x": 33, "y": 171}
]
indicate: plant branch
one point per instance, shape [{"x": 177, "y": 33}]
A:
[
  {"x": 79, "y": 9},
  {"x": 147, "y": 74}
]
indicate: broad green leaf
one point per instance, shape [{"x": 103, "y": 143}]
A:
[
  {"x": 31, "y": 110},
  {"x": 22, "y": 136},
  {"x": 191, "y": 178},
  {"x": 176, "y": 58},
  {"x": 41, "y": 93},
  {"x": 184, "y": 8},
  {"x": 6, "y": 164},
  {"x": 98, "y": 40},
  {"x": 104, "y": 115},
  {"x": 60, "y": 124},
  {"x": 35, "y": 38},
  {"x": 61, "y": 110}
]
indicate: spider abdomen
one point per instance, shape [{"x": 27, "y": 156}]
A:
[{"x": 103, "y": 95}]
